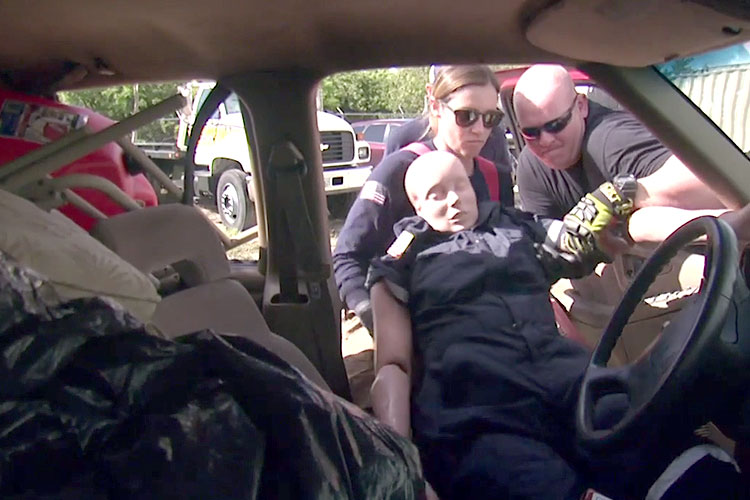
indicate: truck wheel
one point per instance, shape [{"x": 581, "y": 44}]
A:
[
  {"x": 218, "y": 168},
  {"x": 236, "y": 210}
]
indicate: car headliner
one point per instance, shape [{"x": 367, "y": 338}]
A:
[{"x": 154, "y": 40}]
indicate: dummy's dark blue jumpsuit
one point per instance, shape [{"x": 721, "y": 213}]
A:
[{"x": 492, "y": 412}]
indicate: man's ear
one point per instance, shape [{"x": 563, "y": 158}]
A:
[{"x": 584, "y": 105}]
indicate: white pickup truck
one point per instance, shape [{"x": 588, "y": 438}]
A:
[{"x": 222, "y": 158}]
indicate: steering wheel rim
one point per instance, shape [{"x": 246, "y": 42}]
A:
[{"x": 652, "y": 382}]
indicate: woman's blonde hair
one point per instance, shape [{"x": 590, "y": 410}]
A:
[{"x": 449, "y": 79}]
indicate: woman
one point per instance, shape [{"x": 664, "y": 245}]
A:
[{"x": 462, "y": 112}]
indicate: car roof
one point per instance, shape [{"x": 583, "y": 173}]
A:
[
  {"x": 509, "y": 77},
  {"x": 376, "y": 121},
  {"x": 153, "y": 40}
]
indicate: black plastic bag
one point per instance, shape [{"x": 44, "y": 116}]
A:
[{"x": 92, "y": 406}]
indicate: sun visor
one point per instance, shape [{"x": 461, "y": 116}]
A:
[{"x": 638, "y": 32}]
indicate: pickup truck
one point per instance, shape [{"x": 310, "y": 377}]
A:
[{"x": 222, "y": 158}]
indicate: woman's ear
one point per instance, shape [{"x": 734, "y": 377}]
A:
[{"x": 434, "y": 105}]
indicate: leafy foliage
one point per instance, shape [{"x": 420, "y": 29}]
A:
[
  {"x": 397, "y": 90},
  {"x": 120, "y": 102}
]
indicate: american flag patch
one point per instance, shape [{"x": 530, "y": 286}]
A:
[{"x": 373, "y": 191}]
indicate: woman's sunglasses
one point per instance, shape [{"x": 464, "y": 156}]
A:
[
  {"x": 552, "y": 127},
  {"x": 467, "y": 117}
]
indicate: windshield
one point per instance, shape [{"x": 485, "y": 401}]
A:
[{"x": 718, "y": 82}]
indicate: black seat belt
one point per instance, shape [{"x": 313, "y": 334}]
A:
[{"x": 289, "y": 168}]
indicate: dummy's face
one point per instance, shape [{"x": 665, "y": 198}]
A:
[
  {"x": 464, "y": 142},
  {"x": 445, "y": 198},
  {"x": 558, "y": 127}
]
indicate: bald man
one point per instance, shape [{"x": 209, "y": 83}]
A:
[{"x": 573, "y": 145}]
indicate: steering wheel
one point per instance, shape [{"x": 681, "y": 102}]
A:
[{"x": 661, "y": 374}]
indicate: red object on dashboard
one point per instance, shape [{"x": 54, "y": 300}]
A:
[{"x": 28, "y": 122}]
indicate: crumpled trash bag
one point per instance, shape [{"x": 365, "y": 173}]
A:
[{"x": 92, "y": 406}]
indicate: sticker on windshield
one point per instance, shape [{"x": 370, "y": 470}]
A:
[{"x": 37, "y": 123}]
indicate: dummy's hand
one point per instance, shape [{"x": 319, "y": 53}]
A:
[
  {"x": 712, "y": 433},
  {"x": 363, "y": 310},
  {"x": 588, "y": 221}
]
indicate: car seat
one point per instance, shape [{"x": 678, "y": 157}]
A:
[
  {"x": 79, "y": 266},
  {"x": 179, "y": 236}
]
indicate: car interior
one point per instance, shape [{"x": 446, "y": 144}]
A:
[{"x": 273, "y": 56}]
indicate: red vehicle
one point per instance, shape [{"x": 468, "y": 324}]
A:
[
  {"x": 376, "y": 133},
  {"x": 28, "y": 122}
]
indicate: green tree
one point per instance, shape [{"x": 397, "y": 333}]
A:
[
  {"x": 397, "y": 90},
  {"x": 120, "y": 102},
  {"x": 407, "y": 90}
]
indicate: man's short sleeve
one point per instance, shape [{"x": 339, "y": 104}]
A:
[
  {"x": 534, "y": 188},
  {"x": 621, "y": 144}
]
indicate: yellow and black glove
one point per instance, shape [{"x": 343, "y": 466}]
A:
[{"x": 590, "y": 217}]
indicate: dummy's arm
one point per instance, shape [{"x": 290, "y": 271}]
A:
[{"x": 391, "y": 389}]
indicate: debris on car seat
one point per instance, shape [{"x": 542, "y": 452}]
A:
[{"x": 92, "y": 406}]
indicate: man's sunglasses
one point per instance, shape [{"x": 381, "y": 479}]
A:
[
  {"x": 552, "y": 127},
  {"x": 467, "y": 117}
]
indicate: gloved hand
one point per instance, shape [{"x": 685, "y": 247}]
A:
[
  {"x": 562, "y": 264},
  {"x": 586, "y": 221}
]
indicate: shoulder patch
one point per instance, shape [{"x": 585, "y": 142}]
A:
[
  {"x": 373, "y": 191},
  {"x": 399, "y": 247}
]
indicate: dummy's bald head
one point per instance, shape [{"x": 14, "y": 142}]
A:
[
  {"x": 427, "y": 170},
  {"x": 440, "y": 191}
]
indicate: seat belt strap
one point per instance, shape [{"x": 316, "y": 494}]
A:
[
  {"x": 289, "y": 167},
  {"x": 418, "y": 148},
  {"x": 491, "y": 177}
]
